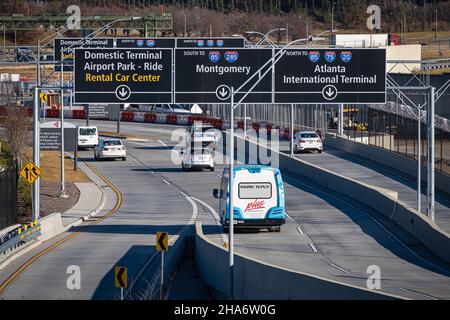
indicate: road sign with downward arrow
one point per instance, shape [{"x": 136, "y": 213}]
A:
[
  {"x": 123, "y": 75},
  {"x": 337, "y": 75},
  {"x": 206, "y": 75}
]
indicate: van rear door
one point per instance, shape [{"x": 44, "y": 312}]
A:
[{"x": 256, "y": 193}]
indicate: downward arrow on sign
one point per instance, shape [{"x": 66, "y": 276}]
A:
[
  {"x": 123, "y": 92},
  {"x": 329, "y": 92},
  {"x": 223, "y": 92}
]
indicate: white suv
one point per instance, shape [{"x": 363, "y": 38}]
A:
[{"x": 307, "y": 140}]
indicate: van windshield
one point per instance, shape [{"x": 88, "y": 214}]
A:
[{"x": 87, "y": 131}]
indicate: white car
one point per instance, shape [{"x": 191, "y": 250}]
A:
[
  {"x": 197, "y": 158},
  {"x": 201, "y": 133},
  {"x": 110, "y": 149},
  {"x": 87, "y": 136},
  {"x": 307, "y": 141}
]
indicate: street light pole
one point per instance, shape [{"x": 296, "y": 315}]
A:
[
  {"x": 332, "y": 16},
  {"x": 430, "y": 158},
  {"x": 231, "y": 203},
  {"x": 36, "y": 153}
]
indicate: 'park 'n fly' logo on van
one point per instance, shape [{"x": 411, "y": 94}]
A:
[
  {"x": 214, "y": 56},
  {"x": 314, "y": 56},
  {"x": 231, "y": 56},
  {"x": 255, "y": 205}
]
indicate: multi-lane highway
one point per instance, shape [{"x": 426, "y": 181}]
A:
[{"x": 326, "y": 234}]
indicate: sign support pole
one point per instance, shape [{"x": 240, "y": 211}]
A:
[
  {"x": 430, "y": 158},
  {"x": 36, "y": 152},
  {"x": 118, "y": 118},
  {"x": 292, "y": 131},
  {"x": 231, "y": 204},
  {"x": 419, "y": 162},
  {"x": 87, "y": 115},
  {"x": 341, "y": 120},
  {"x": 162, "y": 276},
  {"x": 245, "y": 121},
  {"x": 121, "y": 294},
  {"x": 62, "y": 193}
]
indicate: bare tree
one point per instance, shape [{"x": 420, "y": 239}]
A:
[{"x": 16, "y": 124}]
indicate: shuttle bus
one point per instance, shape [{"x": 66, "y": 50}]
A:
[{"x": 258, "y": 198}]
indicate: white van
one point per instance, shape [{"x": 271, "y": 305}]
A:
[
  {"x": 258, "y": 198},
  {"x": 87, "y": 136}
]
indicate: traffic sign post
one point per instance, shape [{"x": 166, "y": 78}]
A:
[
  {"x": 129, "y": 76},
  {"x": 120, "y": 279},
  {"x": 162, "y": 245},
  {"x": 310, "y": 76},
  {"x": 206, "y": 75}
]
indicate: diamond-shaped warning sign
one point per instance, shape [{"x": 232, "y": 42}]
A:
[{"x": 30, "y": 172}]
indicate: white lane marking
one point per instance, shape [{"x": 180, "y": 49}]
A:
[
  {"x": 215, "y": 215},
  {"x": 299, "y": 229},
  {"x": 164, "y": 145},
  {"x": 418, "y": 293},
  {"x": 374, "y": 220},
  {"x": 140, "y": 143},
  {"x": 136, "y": 161},
  {"x": 171, "y": 241},
  {"x": 184, "y": 194},
  {"x": 288, "y": 216},
  {"x": 339, "y": 268},
  {"x": 167, "y": 182},
  {"x": 313, "y": 248}
]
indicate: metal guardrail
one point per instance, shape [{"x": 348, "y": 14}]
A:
[{"x": 19, "y": 236}]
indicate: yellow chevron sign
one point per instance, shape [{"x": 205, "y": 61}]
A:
[{"x": 43, "y": 97}]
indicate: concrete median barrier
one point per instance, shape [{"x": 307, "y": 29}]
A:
[
  {"x": 394, "y": 160},
  {"x": 255, "y": 279},
  {"x": 382, "y": 200},
  {"x": 51, "y": 226}
]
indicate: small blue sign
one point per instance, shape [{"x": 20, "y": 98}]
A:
[
  {"x": 346, "y": 56},
  {"x": 150, "y": 43},
  {"x": 214, "y": 56},
  {"x": 140, "y": 43},
  {"x": 200, "y": 43},
  {"x": 219, "y": 43},
  {"x": 314, "y": 56},
  {"x": 231, "y": 56},
  {"x": 210, "y": 43},
  {"x": 330, "y": 56}
]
